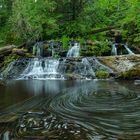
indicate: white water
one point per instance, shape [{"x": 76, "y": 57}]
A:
[
  {"x": 74, "y": 51},
  {"x": 42, "y": 69},
  {"x": 6, "y": 135},
  {"x": 128, "y": 50},
  {"x": 104, "y": 67},
  {"x": 114, "y": 49},
  {"x": 87, "y": 67},
  {"x": 37, "y": 49}
]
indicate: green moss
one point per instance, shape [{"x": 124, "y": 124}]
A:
[
  {"x": 131, "y": 74},
  {"x": 10, "y": 58},
  {"x": 102, "y": 74}
]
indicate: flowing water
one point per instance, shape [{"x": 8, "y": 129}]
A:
[
  {"x": 115, "y": 49},
  {"x": 38, "y": 49},
  {"x": 128, "y": 50},
  {"x": 42, "y": 68},
  {"x": 74, "y": 50},
  {"x": 71, "y": 110}
]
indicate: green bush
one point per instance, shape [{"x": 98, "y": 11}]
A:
[
  {"x": 65, "y": 41},
  {"x": 102, "y": 74}
]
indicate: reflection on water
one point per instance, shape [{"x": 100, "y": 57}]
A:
[{"x": 72, "y": 110}]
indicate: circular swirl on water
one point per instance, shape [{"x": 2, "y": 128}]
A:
[{"x": 110, "y": 111}]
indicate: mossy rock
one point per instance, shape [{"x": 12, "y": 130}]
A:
[
  {"x": 10, "y": 58},
  {"x": 131, "y": 74},
  {"x": 101, "y": 74}
]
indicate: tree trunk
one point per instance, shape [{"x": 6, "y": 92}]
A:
[{"x": 6, "y": 50}]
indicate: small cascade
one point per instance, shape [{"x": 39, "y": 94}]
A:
[
  {"x": 42, "y": 69},
  {"x": 37, "y": 49},
  {"x": 101, "y": 66},
  {"x": 114, "y": 49},
  {"x": 6, "y": 135},
  {"x": 87, "y": 68},
  {"x": 122, "y": 47},
  {"x": 74, "y": 51},
  {"x": 128, "y": 50}
]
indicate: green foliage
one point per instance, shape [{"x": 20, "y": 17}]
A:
[
  {"x": 102, "y": 74},
  {"x": 65, "y": 42},
  {"x": 10, "y": 59},
  {"x": 97, "y": 49},
  {"x": 30, "y": 20}
]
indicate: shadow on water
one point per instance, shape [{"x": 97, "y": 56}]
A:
[{"x": 71, "y": 110}]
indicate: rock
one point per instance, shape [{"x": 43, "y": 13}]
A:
[
  {"x": 126, "y": 66},
  {"x": 2, "y": 83},
  {"x": 137, "y": 82}
]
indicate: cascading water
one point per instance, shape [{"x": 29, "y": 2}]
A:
[
  {"x": 128, "y": 50},
  {"x": 87, "y": 68},
  {"x": 101, "y": 66},
  {"x": 114, "y": 49},
  {"x": 42, "y": 69},
  {"x": 6, "y": 136},
  {"x": 74, "y": 51},
  {"x": 37, "y": 49}
]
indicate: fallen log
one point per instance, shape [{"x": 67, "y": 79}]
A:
[
  {"x": 6, "y": 50},
  {"x": 100, "y": 30}
]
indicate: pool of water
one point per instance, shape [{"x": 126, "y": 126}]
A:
[{"x": 71, "y": 110}]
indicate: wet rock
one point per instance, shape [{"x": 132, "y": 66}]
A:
[
  {"x": 2, "y": 83},
  {"x": 14, "y": 69},
  {"x": 48, "y": 126}
]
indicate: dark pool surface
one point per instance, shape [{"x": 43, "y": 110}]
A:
[{"x": 71, "y": 110}]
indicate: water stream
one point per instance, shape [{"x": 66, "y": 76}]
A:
[
  {"x": 74, "y": 50},
  {"x": 42, "y": 69},
  {"x": 124, "y": 46}
]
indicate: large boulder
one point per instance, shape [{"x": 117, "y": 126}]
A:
[{"x": 126, "y": 66}]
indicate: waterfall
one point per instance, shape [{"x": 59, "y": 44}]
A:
[
  {"x": 101, "y": 66},
  {"x": 87, "y": 67},
  {"x": 128, "y": 50},
  {"x": 37, "y": 49},
  {"x": 114, "y": 49},
  {"x": 42, "y": 69},
  {"x": 6, "y": 135},
  {"x": 74, "y": 51}
]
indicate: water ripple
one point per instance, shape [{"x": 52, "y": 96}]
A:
[{"x": 106, "y": 113}]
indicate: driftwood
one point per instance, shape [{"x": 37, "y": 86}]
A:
[
  {"x": 6, "y": 50},
  {"x": 20, "y": 52}
]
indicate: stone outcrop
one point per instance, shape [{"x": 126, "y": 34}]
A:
[{"x": 125, "y": 66}]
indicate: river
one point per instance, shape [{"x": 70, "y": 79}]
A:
[{"x": 71, "y": 110}]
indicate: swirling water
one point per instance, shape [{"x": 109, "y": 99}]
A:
[{"x": 72, "y": 110}]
